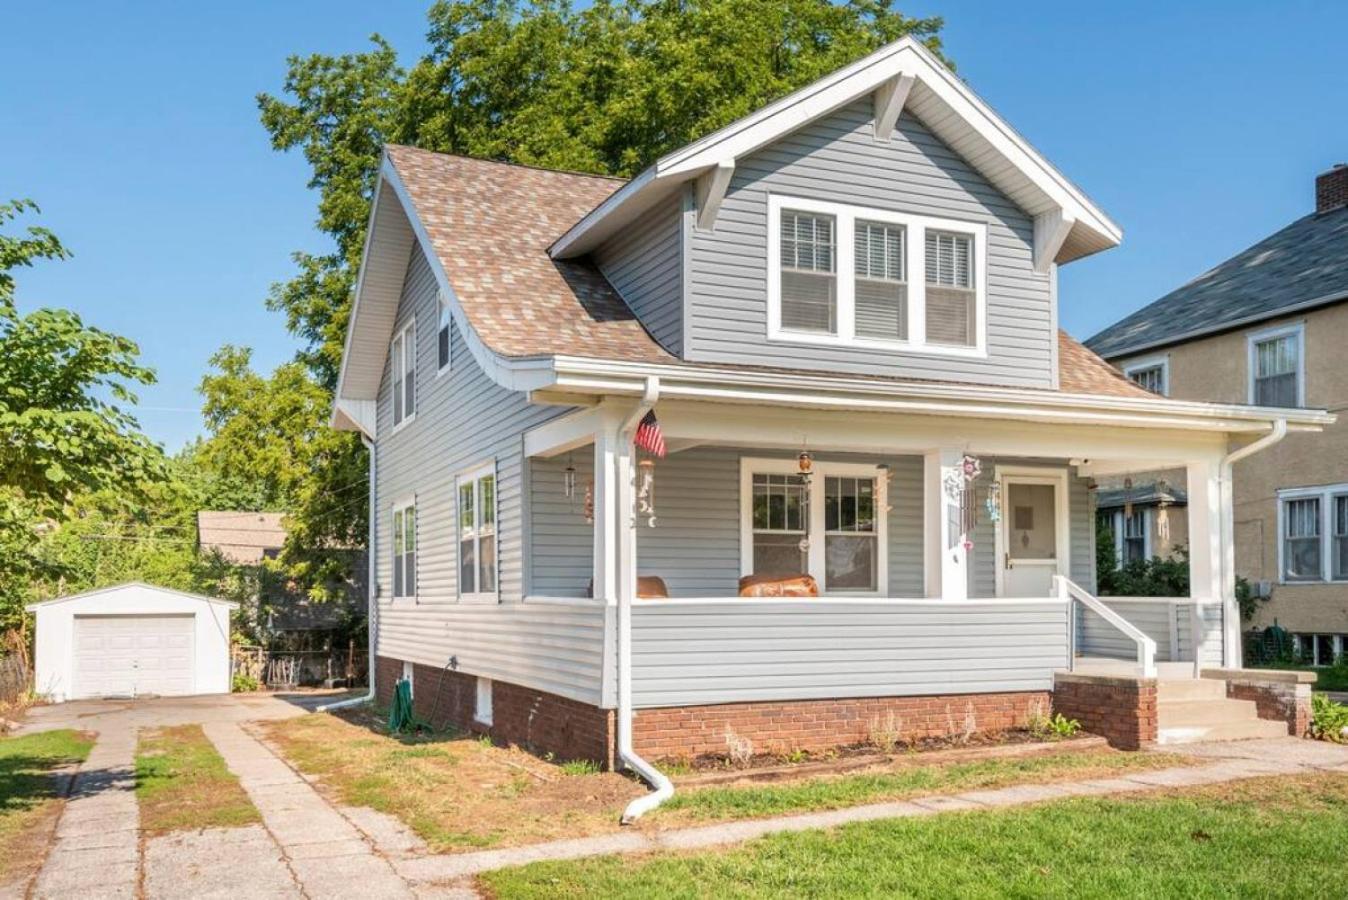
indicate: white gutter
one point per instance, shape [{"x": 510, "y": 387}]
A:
[
  {"x": 1232, "y": 656},
  {"x": 664, "y": 788},
  {"x": 369, "y": 596}
]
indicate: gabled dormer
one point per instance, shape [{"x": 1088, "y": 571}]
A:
[{"x": 881, "y": 221}]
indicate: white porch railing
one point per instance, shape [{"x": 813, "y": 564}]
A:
[{"x": 1069, "y": 591}]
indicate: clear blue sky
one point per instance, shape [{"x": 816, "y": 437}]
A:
[{"x": 1198, "y": 126}]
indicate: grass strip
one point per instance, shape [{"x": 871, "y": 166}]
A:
[
  {"x": 29, "y": 795},
  {"x": 182, "y": 783}
]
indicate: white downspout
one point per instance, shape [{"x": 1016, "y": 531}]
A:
[
  {"x": 627, "y": 583},
  {"x": 369, "y": 594},
  {"x": 1232, "y": 657}
]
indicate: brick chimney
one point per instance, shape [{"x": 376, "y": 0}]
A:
[{"x": 1331, "y": 189}]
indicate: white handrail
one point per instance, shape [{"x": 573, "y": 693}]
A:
[{"x": 1146, "y": 647}]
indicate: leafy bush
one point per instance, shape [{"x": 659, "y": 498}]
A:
[
  {"x": 244, "y": 684},
  {"x": 1052, "y": 728},
  {"x": 1329, "y": 720}
]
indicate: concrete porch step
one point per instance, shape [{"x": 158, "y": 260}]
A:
[
  {"x": 1226, "y": 731},
  {"x": 1182, "y": 689},
  {"x": 1209, "y": 711}
]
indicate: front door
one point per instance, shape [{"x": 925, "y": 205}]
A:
[{"x": 1032, "y": 534}]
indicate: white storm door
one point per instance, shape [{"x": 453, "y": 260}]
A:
[{"x": 1032, "y": 535}]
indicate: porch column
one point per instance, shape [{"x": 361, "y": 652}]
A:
[
  {"x": 945, "y": 561},
  {"x": 605, "y": 500},
  {"x": 1211, "y": 554}
]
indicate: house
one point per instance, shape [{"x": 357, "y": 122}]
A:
[
  {"x": 1144, "y": 521},
  {"x": 131, "y": 640},
  {"x": 240, "y": 537},
  {"x": 842, "y": 313},
  {"x": 1268, "y": 327}
]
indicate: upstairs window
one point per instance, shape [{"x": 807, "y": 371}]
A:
[
  {"x": 951, "y": 311},
  {"x": 809, "y": 282},
  {"x": 1301, "y": 539},
  {"x": 403, "y": 356},
  {"x": 477, "y": 534},
  {"x": 405, "y": 549},
  {"x": 875, "y": 279},
  {"x": 442, "y": 337},
  {"x": 1277, "y": 376},
  {"x": 1152, "y": 374},
  {"x": 881, "y": 289}
]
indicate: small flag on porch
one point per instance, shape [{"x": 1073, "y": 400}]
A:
[{"x": 648, "y": 436}]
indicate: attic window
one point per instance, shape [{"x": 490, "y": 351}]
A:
[
  {"x": 403, "y": 363},
  {"x": 1152, "y": 373},
  {"x": 891, "y": 298},
  {"x": 442, "y": 337}
]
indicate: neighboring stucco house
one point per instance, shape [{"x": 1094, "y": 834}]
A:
[
  {"x": 842, "y": 310},
  {"x": 1145, "y": 520},
  {"x": 1269, "y": 327}
]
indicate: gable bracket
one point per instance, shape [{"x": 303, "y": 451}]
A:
[
  {"x": 711, "y": 190},
  {"x": 1050, "y": 231},
  {"x": 889, "y": 100}
]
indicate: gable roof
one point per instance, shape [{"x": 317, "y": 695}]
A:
[
  {"x": 1068, "y": 225},
  {"x": 1302, "y": 266},
  {"x": 241, "y": 537},
  {"x": 132, "y": 585}
]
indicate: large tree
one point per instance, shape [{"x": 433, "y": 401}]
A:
[{"x": 605, "y": 89}]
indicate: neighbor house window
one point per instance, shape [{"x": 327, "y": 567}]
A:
[
  {"x": 1301, "y": 539},
  {"x": 1134, "y": 536},
  {"x": 1319, "y": 649},
  {"x": 403, "y": 357},
  {"x": 1152, "y": 374},
  {"x": 1339, "y": 538},
  {"x": 477, "y": 534},
  {"x": 881, "y": 289},
  {"x": 442, "y": 336},
  {"x": 405, "y": 549},
  {"x": 808, "y": 262},
  {"x": 873, "y": 278},
  {"x": 1276, "y": 365},
  {"x": 829, "y": 524},
  {"x": 951, "y": 312}
]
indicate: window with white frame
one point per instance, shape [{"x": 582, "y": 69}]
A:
[
  {"x": 1276, "y": 364},
  {"x": 403, "y": 358},
  {"x": 1152, "y": 374},
  {"x": 829, "y": 524},
  {"x": 405, "y": 549},
  {"x": 1338, "y": 536},
  {"x": 1134, "y": 535},
  {"x": 477, "y": 534},
  {"x": 841, "y": 274},
  {"x": 1301, "y": 557},
  {"x": 1319, "y": 649},
  {"x": 442, "y": 336}
]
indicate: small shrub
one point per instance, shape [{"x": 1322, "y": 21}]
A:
[
  {"x": 580, "y": 767},
  {"x": 1329, "y": 720},
  {"x": 740, "y": 750},
  {"x": 885, "y": 733},
  {"x": 797, "y": 755},
  {"x": 244, "y": 684},
  {"x": 1054, "y": 728}
]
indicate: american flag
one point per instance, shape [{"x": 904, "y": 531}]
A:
[{"x": 648, "y": 436}]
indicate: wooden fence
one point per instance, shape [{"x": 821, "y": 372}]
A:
[
  {"x": 14, "y": 678},
  {"x": 280, "y": 669}
]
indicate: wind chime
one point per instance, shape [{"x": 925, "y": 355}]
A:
[
  {"x": 1163, "y": 512},
  {"x": 648, "y": 437},
  {"x": 805, "y": 465},
  {"x": 959, "y": 489}
]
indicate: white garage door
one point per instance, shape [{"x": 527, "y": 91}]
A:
[{"x": 129, "y": 656}]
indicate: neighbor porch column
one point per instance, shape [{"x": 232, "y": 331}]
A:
[
  {"x": 1211, "y": 555},
  {"x": 945, "y": 561}
]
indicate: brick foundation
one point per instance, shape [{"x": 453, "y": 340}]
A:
[
  {"x": 777, "y": 727},
  {"x": 1281, "y": 696},
  {"x": 537, "y": 720},
  {"x": 1121, "y": 710}
]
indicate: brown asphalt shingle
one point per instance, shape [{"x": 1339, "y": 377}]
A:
[{"x": 491, "y": 224}]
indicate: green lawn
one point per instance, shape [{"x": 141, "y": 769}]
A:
[
  {"x": 904, "y": 780},
  {"x": 182, "y": 783},
  {"x": 1276, "y": 837},
  {"x": 28, "y": 793}
]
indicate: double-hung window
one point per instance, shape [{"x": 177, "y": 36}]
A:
[
  {"x": 1301, "y": 539},
  {"x": 477, "y": 534},
  {"x": 1152, "y": 373},
  {"x": 442, "y": 336},
  {"x": 403, "y": 359},
  {"x": 1338, "y": 536},
  {"x": 405, "y": 549},
  {"x": 873, "y": 278},
  {"x": 829, "y": 524},
  {"x": 1134, "y": 536},
  {"x": 1277, "y": 367}
]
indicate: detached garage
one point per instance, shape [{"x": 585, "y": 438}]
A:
[{"x": 132, "y": 640}]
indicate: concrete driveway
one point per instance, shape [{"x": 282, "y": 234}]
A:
[{"x": 153, "y": 712}]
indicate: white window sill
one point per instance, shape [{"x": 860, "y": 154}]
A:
[
  {"x": 407, "y": 420},
  {"x": 480, "y": 598},
  {"x": 860, "y": 343}
]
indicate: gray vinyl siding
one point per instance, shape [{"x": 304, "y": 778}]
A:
[
  {"x": 838, "y": 159},
  {"x": 688, "y": 653},
  {"x": 645, "y": 265},
  {"x": 464, "y": 419},
  {"x": 1170, "y": 625}
]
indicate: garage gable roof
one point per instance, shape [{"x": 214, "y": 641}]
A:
[{"x": 117, "y": 588}]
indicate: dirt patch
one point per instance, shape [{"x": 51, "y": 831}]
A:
[{"x": 455, "y": 791}]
